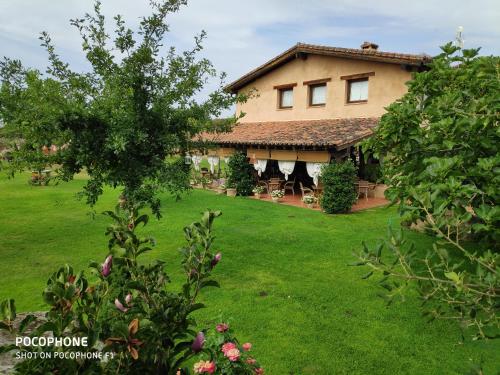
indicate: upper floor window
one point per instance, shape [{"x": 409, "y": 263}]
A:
[
  {"x": 357, "y": 87},
  {"x": 286, "y": 97},
  {"x": 317, "y": 94},
  {"x": 357, "y": 90}
]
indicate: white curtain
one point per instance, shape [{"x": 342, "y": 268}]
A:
[
  {"x": 196, "y": 159},
  {"x": 260, "y": 165},
  {"x": 212, "y": 161},
  {"x": 314, "y": 170},
  {"x": 286, "y": 167}
]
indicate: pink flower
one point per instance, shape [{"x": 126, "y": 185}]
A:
[
  {"x": 251, "y": 361},
  {"x": 120, "y": 306},
  {"x": 222, "y": 327},
  {"x": 198, "y": 342},
  {"x": 233, "y": 354},
  {"x": 216, "y": 260},
  {"x": 228, "y": 346},
  {"x": 106, "y": 266},
  {"x": 259, "y": 371},
  {"x": 246, "y": 346},
  {"x": 210, "y": 367},
  {"x": 204, "y": 367}
]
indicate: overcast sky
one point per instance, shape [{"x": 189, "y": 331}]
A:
[{"x": 245, "y": 34}]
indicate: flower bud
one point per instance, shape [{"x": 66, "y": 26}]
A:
[
  {"x": 216, "y": 260},
  {"x": 106, "y": 266},
  {"x": 120, "y": 306},
  {"x": 128, "y": 299},
  {"x": 198, "y": 342}
]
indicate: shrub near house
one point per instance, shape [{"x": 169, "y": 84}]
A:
[
  {"x": 339, "y": 192},
  {"x": 240, "y": 174}
]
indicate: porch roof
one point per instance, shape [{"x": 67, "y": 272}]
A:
[{"x": 323, "y": 133}]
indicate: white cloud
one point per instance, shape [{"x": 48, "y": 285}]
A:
[{"x": 244, "y": 34}]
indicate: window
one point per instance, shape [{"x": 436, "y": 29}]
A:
[
  {"x": 317, "y": 94},
  {"x": 286, "y": 97},
  {"x": 357, "y": 90}
]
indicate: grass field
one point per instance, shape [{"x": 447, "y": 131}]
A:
[{"x": 317, "y": 316}]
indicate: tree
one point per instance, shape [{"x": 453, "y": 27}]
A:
[
  {"x": 240, "y": 174},
  {"x": 121, "y": 120},
  {"x": 440, "y": 147}
]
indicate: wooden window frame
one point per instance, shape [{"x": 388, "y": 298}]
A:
[
  {"x": 281, "y": 89},
  {"x": 315, "y": 83},
  {"x": 310, "y": 94},
  {"x": 348, "y": 90}
]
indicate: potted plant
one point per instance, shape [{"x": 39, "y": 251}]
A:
[
  {"x": 221, "y": 189},
  {"x": 276, "y": 195},
  {"x": 230, "y": 190},
  {"x": 257, "y": 191},
  {"x": 309, "y": 200},
  {"x": 205, "y": 182}
]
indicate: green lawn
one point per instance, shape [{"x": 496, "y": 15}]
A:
[{"x": 316, "y": 316}]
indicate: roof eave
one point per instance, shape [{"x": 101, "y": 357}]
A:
[{"x": 301, "y": 48}]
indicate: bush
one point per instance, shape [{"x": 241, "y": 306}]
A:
[
  {"x": 240, "y": 174},
  {"x": 339, "y": 192},
  {"x": 129, "y": 314},
  {"x": 440, "y": 145}
]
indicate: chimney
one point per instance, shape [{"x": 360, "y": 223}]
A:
[{"x": 369, "y": 46}]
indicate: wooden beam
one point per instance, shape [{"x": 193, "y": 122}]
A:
[
  {"x": 285, "y": 86},
  {"x": 317, "y": 81},
  {"x": 356, "y": 76}
]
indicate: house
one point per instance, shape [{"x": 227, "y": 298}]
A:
[{"x": 314, "y": 103}]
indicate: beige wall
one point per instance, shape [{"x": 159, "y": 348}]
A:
[{"x": 387, "y": 85}]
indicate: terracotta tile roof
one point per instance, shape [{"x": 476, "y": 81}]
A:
[
  {"x": 329, "y": 133},
  {"x": 350, "y": 53}
]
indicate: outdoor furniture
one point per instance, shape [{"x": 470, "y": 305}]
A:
[
  {"x": 264, "y": 185},
  {"x": 290, "y": 186},
  {"x": 274, "y": 184},
  {"x": 305, "y": 190},
  {"x": 318, "y": 189},
  {"x": 363, "y": 187}
]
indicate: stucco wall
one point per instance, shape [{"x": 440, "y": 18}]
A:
[{"x": 387, "y": 85}]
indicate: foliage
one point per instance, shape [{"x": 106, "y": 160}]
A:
[
  {"x": 129, "y": 311},
  {"x": 121, "y": 120},
  {"x": 240, "y": 174},
  {"x": 222, "y": 354},
  {"x": 280, "y": 193},
  {"x": 309, "y": 199},
  {"x": 339, "y": 193},
  {"x": 440, "y": 145},
  {"x": 258, "y": 189}
]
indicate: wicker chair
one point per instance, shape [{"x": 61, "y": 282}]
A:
[
  {"x": 305, "y": 190},
  {"x": 290, "y": 186}
]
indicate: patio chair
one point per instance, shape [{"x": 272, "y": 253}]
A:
[
  {"x": 305, "y": 190},
  {"x": 290, "y": 186},
  {"x": 274, "y": 184},
  {"x": 264, "y": 185}
]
